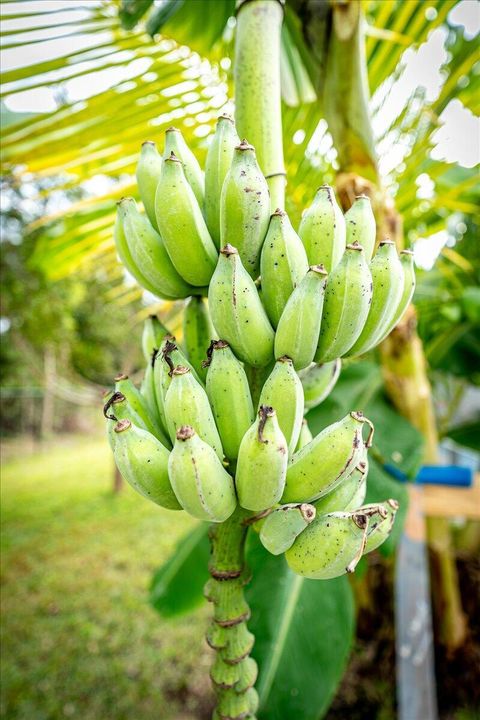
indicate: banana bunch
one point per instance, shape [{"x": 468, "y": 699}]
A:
[{"x": 218, "y": 421}]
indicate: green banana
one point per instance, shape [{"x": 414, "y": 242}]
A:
[
  {"x": 138, "y": 403},
  {"x": 229, "y": 396},
  {"x": 318, "y": 381},
  {"x": 388, "y": 282},
  {"x": 299, "y": 327},
  {"x": 149, "y": 167},
  {"x": 322, "y": 230},
  {"x": 149, "y": 254},
  {"x": 168, "y": 357},
  {"x": 201, "y": 483},
  {"x": 382, "y": 517},
  {"x": 219, "y": 159},
  {"x": 406, "y": 260},
  {"x": 175, "y": 143},
  {"x": 305, "y": 436},
  {"x": 282, "y": 526},
  {"x": 360, "y": 225},
  {"x": 347, "y": 302},
  {"x": 198, "y": 331},
  {"x": 147, "y": 390},
  {"x": 245, "y": 207},
  {"x": 237, "y": 312},
  {"x": 284, "y": 390},
  {"x": 330, "y": 546},
  {"x": 262, "y": 463},
  {"x": 182, "y": 227},
  {"x": 186, "y": 403},
  {"x": 349, "y": 494},
  {"x": 143, "y": 461},
  {"x": 152, "y": 336},
  {"x": 125, "y": 255},
  {"x": 326, "y": 461},
  {"x": 283, "y": 264},
  {"x": 334, "y": 543}
]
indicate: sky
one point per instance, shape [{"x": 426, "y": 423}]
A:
[{"x": 458, "y": 140}]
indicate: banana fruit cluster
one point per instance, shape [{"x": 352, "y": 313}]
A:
[{"x": 218, "y": 421}]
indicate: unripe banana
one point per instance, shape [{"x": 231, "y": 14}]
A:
[
  {"x": 330, "y": 546},
  {"x": 327, "y": 460},
  {"x": 381, "y": 519},
  {"x": 186, "y": 403},
  {"x": 360, "y": 224},
  {"x": 198, "y": 332},
  {"x": 229, "y": 395},
  {"x": 349, "y": 494},
  {"x": 283, "y": 264},
  {"x": 118, "y": 408},
  {"x": 182, "y": 227},
  {"x": 406, "y": 260},
  {"x": 347, "y": 302},
  {"x": 152, "y": 336},
  {"x": 245, "y": 207},
  {"x": 168, "y": 357},
  {"x": 126, "y": 256},
  {"x": 149, "y": 253},
  {"x": 149, "y": 167},
  {"x": 175, "y": 143},
  {"x": 237, "y": 312},
  {"x": 322, "y": 230},
  {"x": 299, "y": 327},
  {"x": 147, "y": 390},
  {"x": 318, "y": 382},
  {"x": 282, "y": 526},
  {"x": 284, "y": 390},
  {"x": 305, "y": 436},
  {"x": 137, "y": 402},
  {"x": 201, "y": 483},
  {"x": 262, "y": 463},
  {"x": 219, "y": 159},
  {"x": 388, "y": 282},
  {"x": 143, "y": 461}
]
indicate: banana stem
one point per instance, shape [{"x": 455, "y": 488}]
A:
[
  {"x": 258, "y": 111},
  {"x": 233, "y": 672}
]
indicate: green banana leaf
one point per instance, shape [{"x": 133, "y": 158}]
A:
[
  {"x": 177, "y": 586},
  {"x": 303, "y": 634}
]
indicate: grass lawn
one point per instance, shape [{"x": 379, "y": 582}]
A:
[{"x": 78, "y": 636}]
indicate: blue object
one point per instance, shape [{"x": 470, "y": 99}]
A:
[{"x": 453, "y": 475}]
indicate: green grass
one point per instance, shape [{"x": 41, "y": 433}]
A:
[{"x": 78, "y": 636}]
